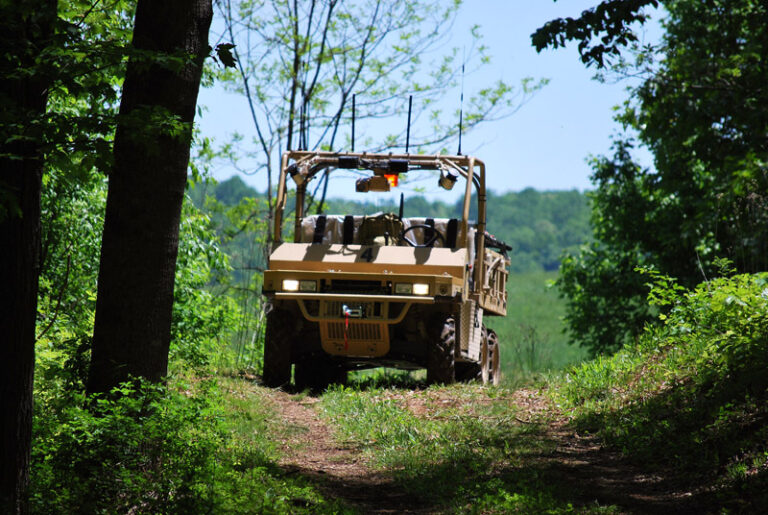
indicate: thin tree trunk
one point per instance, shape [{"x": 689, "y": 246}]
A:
[
  {"x": 146, "y": 189},
  {"x": 26, "y": 28}
]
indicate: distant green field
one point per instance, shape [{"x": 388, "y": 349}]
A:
[{"x": 532, "y": 332}]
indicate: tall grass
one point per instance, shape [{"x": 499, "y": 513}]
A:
[{"x": 532, "y": 338}]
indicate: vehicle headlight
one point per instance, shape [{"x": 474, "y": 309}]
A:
[
  {"x": 290, "y": 285},
  {"x": 307, "y": 285},
  {"x": 403, "y": 288},
  {"x": 420, "y": 289}
]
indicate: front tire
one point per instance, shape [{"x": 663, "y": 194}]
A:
[
  {"x": 441, "y": 365},
  {"x": 277, "y": 349}
]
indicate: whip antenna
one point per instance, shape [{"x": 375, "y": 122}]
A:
[
  {"x": 461, "y": 107},
  {"x": 302, "y": 145},
  {"x": 353, "y": 122},
  {"x": 408, "y": 129}
]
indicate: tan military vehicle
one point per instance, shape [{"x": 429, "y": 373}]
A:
[{"x": 351, "y": 292}]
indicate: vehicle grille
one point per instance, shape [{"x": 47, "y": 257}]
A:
[
  {"x": 355, "y": 331},
  {"x": 362, "y": 339}
]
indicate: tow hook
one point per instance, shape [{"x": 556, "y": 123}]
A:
[{"x": 348, "y": 312}]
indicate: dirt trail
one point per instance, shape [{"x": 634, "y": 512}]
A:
[
  {"x": 596, "y": 474},
  {"x": 339, "y": 471}
]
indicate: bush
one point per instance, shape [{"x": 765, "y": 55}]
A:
[
  {"x": 143, "y": 449},
  {"x": 691, "y": 394}
]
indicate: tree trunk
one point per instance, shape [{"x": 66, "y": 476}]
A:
[
  {"x": 132, "y": 328},
  {"x": 26, "y": 28}
]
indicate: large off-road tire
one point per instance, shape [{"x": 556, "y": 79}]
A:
[
  {"x": 317, "y": 374},
  {"x": 441, "y": 365},
  {"x": 277, "y": 348},
  {"x": 494, "y": 359}
]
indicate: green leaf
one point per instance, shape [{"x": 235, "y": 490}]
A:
[{"x": 224, "y": 52}]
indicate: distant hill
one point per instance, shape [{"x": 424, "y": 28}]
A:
[{"x": 539, "y": 225}]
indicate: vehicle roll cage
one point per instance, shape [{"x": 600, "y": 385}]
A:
[{"x": 303, "y": 166}]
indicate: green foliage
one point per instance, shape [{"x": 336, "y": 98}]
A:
[
  {"x": 701, "y": 113},
  {"x": 72, "y": 220},
  {"x": 605, "y": 306},
  {"x": 602, "y": 31},
  {"x": 202, "y": 322},
  {"x": 193, "y": 446},
  {"x": 538, "y": 225},
  {"x": 709, "y": 190},
  {"x": 86, "y": 60},
  {"x": 692, "y": 393},
  {"x": 239, "y": 220},
  {"x": 145, "y": 450}
]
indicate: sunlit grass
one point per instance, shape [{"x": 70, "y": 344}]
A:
[
  {"x": 459, "y": 448},
  {"x": 250, "y": 479}
]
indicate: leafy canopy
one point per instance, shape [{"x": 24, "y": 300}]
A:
[
  {"x": 602, "y": 31},
  {"x": 703, "y": 114}
]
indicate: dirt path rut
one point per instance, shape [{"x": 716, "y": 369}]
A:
[{"x": 339, "y": 471}]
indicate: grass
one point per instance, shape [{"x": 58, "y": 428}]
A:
[
  {"x": 531, "y": 334},
  {"x": 456, "y": 448},
  {"x": 690, "y": 398},
  {"x": 249, "y": 479}
]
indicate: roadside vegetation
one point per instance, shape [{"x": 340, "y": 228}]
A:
[
  {"x": 685, "y": 404},
  {"x": 689, "y": 397},
  {"x": 654, "y": 399}
]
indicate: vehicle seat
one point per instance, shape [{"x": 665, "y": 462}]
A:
[
  {"x": 327, "y": 229},
  {"x": 448, "y": 227}
]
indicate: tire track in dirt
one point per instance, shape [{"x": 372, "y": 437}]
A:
[
  {"x": 602, "y": 475},
  {"x": 340, "y": 472}
]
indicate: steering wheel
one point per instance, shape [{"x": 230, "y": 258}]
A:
[{"x": 428, "y": 242}]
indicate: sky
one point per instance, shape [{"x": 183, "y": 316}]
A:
[{"x": 544, "y": 145}]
